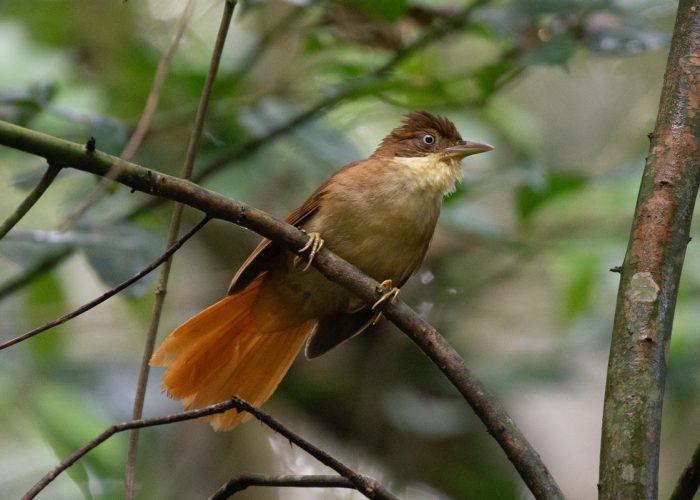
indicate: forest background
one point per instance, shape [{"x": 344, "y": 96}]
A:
[{"x": 518, "y": 277}]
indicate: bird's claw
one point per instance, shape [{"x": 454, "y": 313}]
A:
[
  {"x": 390, "y": 292},
  {"x": 313, "y": 245}
]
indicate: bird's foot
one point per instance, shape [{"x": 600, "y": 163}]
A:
[
  {"x": 312, "y": 246},
  {"x": 390, "y": 292}
]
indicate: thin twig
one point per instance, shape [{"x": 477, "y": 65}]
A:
[
  {"x": 142, "y": 126},
  {"x": 110, "y": 293},
  {"x": 365, "y": 484},
  {"x": 144, "y": 123},
  {"x": 161, "y": 287},
  {"x": 689, "y": 482},
  {"x": 244, "y": 481},
  {"x": 282, "y": 28},
  {"x": 30, "y": 200},
  {"x": 486, "y": 406},
  {"x": 124, "y": 426},
  {"x": 44, "y": 265}
]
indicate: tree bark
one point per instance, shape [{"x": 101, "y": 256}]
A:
[{"x": 650, "y": 275}]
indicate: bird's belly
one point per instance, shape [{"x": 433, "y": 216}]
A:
[
  {"x": 385, "y": 240},
  {"x": 385, "y": 253}
]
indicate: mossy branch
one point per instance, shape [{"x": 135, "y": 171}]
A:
[{"x": 650, "y": 275}]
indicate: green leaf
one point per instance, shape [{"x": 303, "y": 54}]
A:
[
  {"x": 45, "y": 301},
  {"x": 27, "y": 180},
  {"x": 386, "y": 10},
  {"x": 469, "y": 217},
  {"x": 115, "y": 252},
  {"x": 616, "y": 35},
  {"x": 22, "y": 107},
  {"x": 27, "y": 248},
  {"x": 530, "y": 198},
  {"x": 118, "y": 252},
  {"x": 326, "y": 142},
  {"x": 488, "y": 76},
  {"x": 461, "y": 190},
  {"x": 554, "y": 6},
  {"x": 576, "y": 272},
  {"x": 68, "y": 419},
  {"x": 555, "y": 52}
]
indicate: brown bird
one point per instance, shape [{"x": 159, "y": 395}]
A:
[{"x": 379, "y": 214}]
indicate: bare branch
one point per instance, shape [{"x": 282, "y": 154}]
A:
[
  {"x": 689, "y": 482},
  {"x": 161, "y": 287},
  {"x": 110, "y": 293},
  {"x": 244, "y": 481},
  {"x": 30, "y": 200},
  {"x": 46, "y": 264},
  {"x": 124, "y": 426},
  {"x": 282, "y": 28},
  {"x": 650, "y": 275},
  {"x": 489, "y": 410},
  {"x": 366, "y": 485}
]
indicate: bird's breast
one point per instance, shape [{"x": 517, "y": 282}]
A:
[
  {"x": 376, "y": 215},
  {"x": 380, "y": 221}
]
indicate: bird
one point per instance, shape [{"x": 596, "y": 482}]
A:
[{"x": 379, "y": 214}]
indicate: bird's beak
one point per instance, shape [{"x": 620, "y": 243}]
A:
[{"x": 467, "y": 148}]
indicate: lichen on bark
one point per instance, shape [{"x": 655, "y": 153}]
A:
[{"x": 650, "y": 275}]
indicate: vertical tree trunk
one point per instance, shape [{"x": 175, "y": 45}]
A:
[{"x": 650, "y": 275}]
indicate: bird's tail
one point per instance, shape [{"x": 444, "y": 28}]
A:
[{"x": 220, "y": 353}]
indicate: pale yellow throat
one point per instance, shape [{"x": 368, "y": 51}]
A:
[{"x": 432, "y": 172}]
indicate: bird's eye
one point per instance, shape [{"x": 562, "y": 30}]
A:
[{"x": 429, "y": 139}]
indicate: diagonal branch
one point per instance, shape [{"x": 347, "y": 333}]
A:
[
  {"x": 116, "y": 428},
  {"x": 45, "y": 264},
  {"x": 689, "y": 482},
  {"x": 365, "y": 484},
  {"x": 26, "y": 205},
  {"x": 244, "y": 481},
  {"x": 490, "y": 411},
  {"x": 109, "y": 293}
]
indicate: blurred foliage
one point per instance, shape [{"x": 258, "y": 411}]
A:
[{"x": 517, "y": 277}]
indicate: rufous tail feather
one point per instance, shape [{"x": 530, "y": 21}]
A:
[{"x": 220, "y": 353}]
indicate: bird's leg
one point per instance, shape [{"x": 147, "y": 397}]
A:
[
  {"x": 313, "y": 246},
  {"x": 390, "y": 294}
]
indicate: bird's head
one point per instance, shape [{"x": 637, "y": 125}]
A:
[
  {"x": 424, "y": 135},
  {"x": 429, "y": 150}
]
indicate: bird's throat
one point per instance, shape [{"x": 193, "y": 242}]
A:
[{"x": 433, "y": 173}]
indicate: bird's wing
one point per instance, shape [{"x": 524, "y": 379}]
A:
[
  {"x": 336, "y": 329},
  {"x": 257, "y": 261}
]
